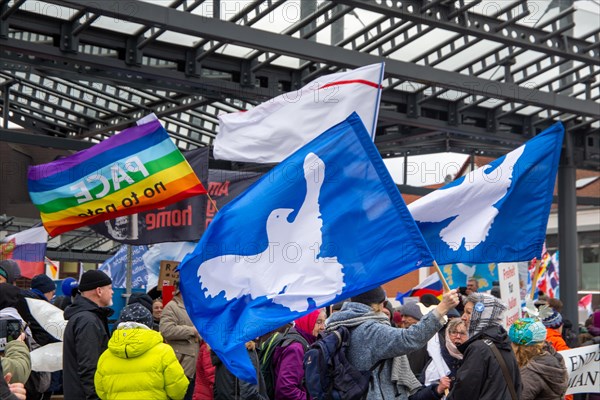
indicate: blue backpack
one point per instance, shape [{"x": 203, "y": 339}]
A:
[{"x": 329, "y": 375}]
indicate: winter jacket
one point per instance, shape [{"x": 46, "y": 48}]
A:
[
  {"x": 205, "y": 375},
  {"x": 40, "y": 335},
  {"x": 138, "y": 365},
  {"x": 229, "y": 387},
  {"x": 556, "y": 340},
  {"x": 16, "y": 360},
  {"x": 480, "y": 376},
  {"x": 545, "y": 377},
  {"x": 372, "y": 339},
  {"x": 85, "y": 338},
  {"x": 178, "y": 330},
  {"x": 288, "y": 369}
]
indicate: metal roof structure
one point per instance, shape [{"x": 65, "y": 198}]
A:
[{"x": 475, "y": 77}]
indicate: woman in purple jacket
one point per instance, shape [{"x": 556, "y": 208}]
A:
[{"x": 287, "y": 360}]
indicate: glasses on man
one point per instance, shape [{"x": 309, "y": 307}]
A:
[{"x": 457, "y": 333}]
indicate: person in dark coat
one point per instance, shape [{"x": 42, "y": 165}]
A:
[
  {"x": 229, "y": 387},
  {"x": 86, "y": 335},
  {"x": 42, "y": 288},
  {"x": 480, "y": 375}
]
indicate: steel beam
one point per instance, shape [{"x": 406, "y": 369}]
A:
[{"x": 195, "y": 25}]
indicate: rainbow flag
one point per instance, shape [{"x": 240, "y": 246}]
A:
[{"x": 136, "y": 170}]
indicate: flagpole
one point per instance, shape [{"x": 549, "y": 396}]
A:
[
  {"x": 536, "y": 272},
  {"x": 439, "y": 272},
  {"x": 212, "y": 201}
]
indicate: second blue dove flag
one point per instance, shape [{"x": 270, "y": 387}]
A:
[
  {"x": 496, "y": 213},
  {"x": 325, "y": 224}
]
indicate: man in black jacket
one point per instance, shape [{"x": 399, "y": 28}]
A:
[
  {"x": 481, "y": 375},
  {"x": 86, "y": 335}
]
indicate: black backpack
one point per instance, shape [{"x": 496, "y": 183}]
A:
[
  {"x": 267, "y": 349},
  {"x": 329, "y": 375}
]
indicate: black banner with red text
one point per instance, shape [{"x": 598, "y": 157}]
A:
[{"x": 184, "y": 220}]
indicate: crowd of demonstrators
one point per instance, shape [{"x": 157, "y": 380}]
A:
[
  {"x": 178, "y": 331},
  {"x": 138, "y": 364},
  {"x": 420, "y": 351}
]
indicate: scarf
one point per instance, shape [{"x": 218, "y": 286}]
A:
[
  {"x": 487, "y": 312},
  {"x": 452, "y": 348},
  {"x": 402, "y": 375}
]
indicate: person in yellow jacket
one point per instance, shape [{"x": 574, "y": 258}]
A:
[{"x": 137, "y": 364}]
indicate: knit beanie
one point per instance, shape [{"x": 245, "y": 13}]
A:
[
  {"x": 11, "y": 270},
  {"x": 554, "y": 321},
  {"x": 136, "y": 313},
  {"x": 307, "y": 322},
  {"x": 68, "y": 285},
  {"x": 43, "y": 283},
  {"x": 527, "y": 332},
  {"x": 93, "y": 279},
  {"x": 411, "y": 310},
  {"x": 487, "y": 312},
  {"x": 141, "y": 298},
  {"x": 373, "y": 296}
]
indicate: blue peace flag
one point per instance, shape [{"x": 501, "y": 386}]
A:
[
  {"x": 325, "y": 224},
  {"x": 497, "y": 213}
]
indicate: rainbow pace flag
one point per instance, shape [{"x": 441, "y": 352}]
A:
[{"x": 136, "y": 170}]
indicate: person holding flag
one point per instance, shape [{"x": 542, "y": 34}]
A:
[{"x": 374, "y": 342}]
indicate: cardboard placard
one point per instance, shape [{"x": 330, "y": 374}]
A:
[{"x": 168, "y": 275}]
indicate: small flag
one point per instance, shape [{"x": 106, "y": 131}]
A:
[
  {"x": 585, "y": 304},
  {"x": 325, "y": 224},
  {"x": 430, "y": 285},
  {"x": 278, "y": 127},
  {"x": 497, "y": 213},
  {"x": 136, "y": 170},
  {"x": 51, "y": 269},
  {"x": 28, "y": 249}
]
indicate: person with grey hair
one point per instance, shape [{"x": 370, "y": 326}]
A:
[
  {"x": 472, "y": 286},
  {"x": 489, "y": 370}
]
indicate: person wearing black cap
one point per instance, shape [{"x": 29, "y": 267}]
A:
[
  {"x": 374, "y": 343},
  {"x": 86, "y": 335}
]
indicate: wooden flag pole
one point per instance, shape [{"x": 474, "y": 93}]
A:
[
  {"x": 212, "y": 201},
  {"x": 536, "y": 272},
  {"x": 439, "y": 272}
]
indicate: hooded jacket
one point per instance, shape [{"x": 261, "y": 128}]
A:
[
  {"x": 205, "y": 375},
  {"x": 85, "y": 338},
  {"x": 17, "y": 361},
  {"x": 138, "y": 365},
  {"x": 556, "y": 340},
  {"x": 372, "y": 340},
  {"x": 480, "y": 376},
  {"x": 288, "y": 362},
  {"x": 545, "y": 377}
]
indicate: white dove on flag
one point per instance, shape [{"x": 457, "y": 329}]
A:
[
  {"x": 289, "y": 271},
  {"x": 471, "y": 202}
]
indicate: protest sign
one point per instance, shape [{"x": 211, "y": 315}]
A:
[
  {"x": 508, "y": 274},
  {"x": 168, "y": 274},
  {"x": 583, "y": 366}
]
